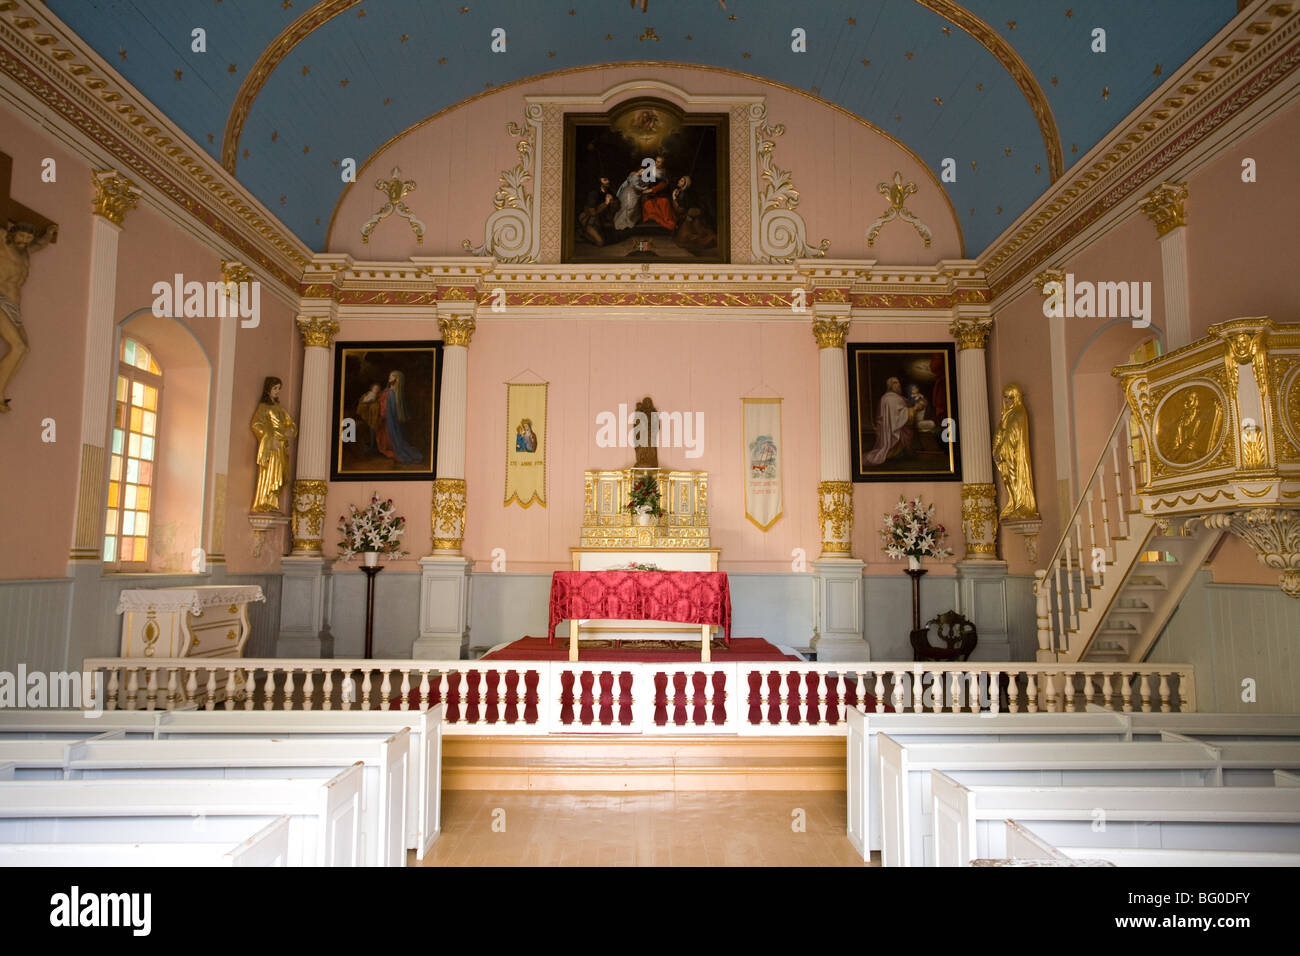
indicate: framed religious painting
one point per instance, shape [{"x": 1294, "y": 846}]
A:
[
  {"x": 385, "y": 425},
  {"x": 646, "y": 182},
  {"x": 903, "y": 411}
]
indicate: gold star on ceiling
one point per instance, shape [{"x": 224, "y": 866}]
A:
[
  {"x": 318, "y": 220},
  {"x": 245, "y": 152},
  {"x": 938, "y": 101},
  {"x": 866, "y": 62},
  {"x": 908, "y": 55},
  {"x": 1074, "y": 147},
  {"x": 275, "y": 134},
  {"x": 336, "y": 162},
  {"x": 442, "y": 60},
  {"x": 999, "y": 210},
  {"x": 1158, "y": 70},
  {"x": 343, "y": 82},
  {"x": 179, "y": 74},
  {"x": 1054, "y": 81},
  {"x": 745, "y": 55},
  {"x": 305, "y": 148},
  {"x": 231, "y": 68},
  {"x": 306, "y": 70},
  {"x": 1007, "y": 150},
  {"x": 972, "y": 210},
  {"x": 571, "y": 13},
  {"x": 947, "y": 32},
  {"x": 405, "y": 37},
  {"x": 122, "y": 53},
  {"x": 464, "y": 9},
  {"x": 210, "y": 139},
  {"x": 550, "y": 53},
  {"x": 898, "y": 118},
  {"x": 387, "y": 100},
  {"x": 283, "y": 200},
  {"x": 1069, "y": 13},
  {"x": 1037, "y": 169},
  {"x": 972, "y": 164},
  {"x": 1105, "y": 92},
  {"x": 286, "y": 5},
  {"x": 979, "y": 86},
  {"x": 361, "y": 13},
  {"x": 852, "y": 22},
  {"x": 1011, "y": 24}
]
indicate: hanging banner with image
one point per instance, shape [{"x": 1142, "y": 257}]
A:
[
  {"x": 526, "y": 443},
  {"x": 760, "y": 431}
]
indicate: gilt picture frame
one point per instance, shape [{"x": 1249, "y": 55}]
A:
[
  {"x": 385, "y": 411},
  {"x": 903, "y": 411}
]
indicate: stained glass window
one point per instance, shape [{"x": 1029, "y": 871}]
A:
[{"x": 134, "y": 440}]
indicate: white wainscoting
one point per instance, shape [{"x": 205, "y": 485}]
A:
[
  {"x": 1231, "y": 632},
  {"x": 397, "y": 611},
  {"x": 34, "y": 624}
]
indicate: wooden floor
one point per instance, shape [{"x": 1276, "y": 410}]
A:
[{"x": 756, "y": 828}]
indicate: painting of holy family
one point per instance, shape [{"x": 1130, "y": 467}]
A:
[
  {"x": 385, "y": 410},
  {"x": 903, "y": 412}
]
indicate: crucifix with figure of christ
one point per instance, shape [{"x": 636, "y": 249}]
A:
[{"x": 25, "y": 231}]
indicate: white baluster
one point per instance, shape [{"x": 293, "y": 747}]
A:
[
  {"x": 1089, "y": 689},
  {"x": 406, "y": 689},
  {"x": 1146, "y": 693},
  {"x": 173, "y": 688},
  {"x": 1067, "y": 688},
  {"x": 132, "y": 688},
  {"x": 1013, "y": 692},
  {"x": 501, "y": 695},
  {"x": 1164, "y": 694},
  {"x": 918, "y": 692},
  {"x": 1107, "y": 692},
  {"x": 995, "y": 691},
  {"x": 365, "y": 689},
  {"x": 1092, "y": 538},
  {"x": 1072, "y": 619},
  {"x": 1031, "y": 694},
  {"x": 973, "y": 692},
  {"x": 1049, "y": 691},
  {"x": 288, "y": 688},
  {"x": 151, "y": 689},
  {"x": 1127, "y": 690},
  {"x": 897, "y": 694},
  {"x": 1085, "y": 599},
  {"x": 229, "y": 702},
  {"x": 442, "y": 693},
  {"x": 308, "y": 687},
  {"x": 250, "y": 687},
  {"x": 327, "y": 690},
  {"x": 424, "y": 688},
  {"x": 880, "y": 692},
  {"x": 1120, "y": 504},
  {"x": 385, "y": 690}
]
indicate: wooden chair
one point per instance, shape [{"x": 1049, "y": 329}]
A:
[{"x": 954, "y": 630}]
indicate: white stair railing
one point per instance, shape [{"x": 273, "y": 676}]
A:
[{"x": 1099, "y": 519}]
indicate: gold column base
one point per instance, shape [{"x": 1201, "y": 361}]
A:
[
  {"x": 979, "y": 521},
  {"x": 308, "y": 515},
  {"x": 835, "y": 512},
  {"x": 447, "y": 517}
]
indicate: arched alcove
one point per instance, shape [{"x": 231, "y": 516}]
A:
[{"x": 180, "y": 455}]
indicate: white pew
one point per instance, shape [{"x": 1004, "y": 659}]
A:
[
  {"x": 268, "y": 847},
  {"x": 864, "y": 828},
  {"x": 324, "y": 818},
  {"x": 1023, "y": 843},
  {"x": 424, "y": 800},
  {"x": 969, "y": 822},
  {"x": 384, "y": 788},
  {"x": 50, "y": 723},
  {"x": 905, "y": 774},
  {"x": 45, "y": 757}
]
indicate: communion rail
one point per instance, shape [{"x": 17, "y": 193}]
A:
[{"x": 538, "y": 697}]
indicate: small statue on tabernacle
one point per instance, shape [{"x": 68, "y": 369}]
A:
[
  {"x": 644, "y": 430},
  {"x": 273, "y": 427}
]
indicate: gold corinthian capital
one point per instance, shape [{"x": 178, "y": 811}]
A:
[
  {"x": 317, "y": 331},
  {"x": 971, "y": 333},
  {"x": 829, "y": 333},
  {"x": 1166, "y": 206},
  {"x": 114, "y": 195},
  {"x": 456, "y": 330}
]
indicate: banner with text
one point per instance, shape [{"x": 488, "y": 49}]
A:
[
  {"x": 761, "y": 446},
  {"x": 526, "y": 443}
]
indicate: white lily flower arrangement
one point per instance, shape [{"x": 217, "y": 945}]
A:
[
  {"x": 910, "y": 531},
  {"x": 376, "y": 528}
]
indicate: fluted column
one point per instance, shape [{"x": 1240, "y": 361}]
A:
[
  {"x": 1062, "y": 443},
  {"x": 835, "y": 492},
  {"x": 979, "y": 512},
  {"x": 309, "y": 485},
  {"x": 1165, "y": 206},
  {"x": 448, "y": 513},
  {"x": 114, "y": 197}
]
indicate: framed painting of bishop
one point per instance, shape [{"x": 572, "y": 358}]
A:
[{"x": 903, "y": 411}]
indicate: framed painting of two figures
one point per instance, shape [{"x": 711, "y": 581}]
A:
[{"x": 903, "y": 411}]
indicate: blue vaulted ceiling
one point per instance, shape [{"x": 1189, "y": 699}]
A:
[{"x": 378, "y": 67}]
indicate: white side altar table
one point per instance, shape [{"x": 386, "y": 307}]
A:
[{"x": 208, "y": 621}]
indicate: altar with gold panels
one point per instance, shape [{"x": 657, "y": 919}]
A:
[{"x": 612, "y": 539}]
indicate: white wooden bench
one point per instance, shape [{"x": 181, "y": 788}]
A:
[
  {"x": 970, "y": 822},
  {"x": 1023, "y": 844},
  {"x": 384, "y": 784},
  {"x": 424, "y": 801},
  {"x": 324, "y": 817},
  {"x": 863, "y": 793},
  {"x": 268, "y": 847},
  {"x": 905, "y": 774}
]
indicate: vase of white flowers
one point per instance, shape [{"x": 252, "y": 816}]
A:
[
  {"x": 911, "y": 532},
  {"x": 373, "y": 531}
]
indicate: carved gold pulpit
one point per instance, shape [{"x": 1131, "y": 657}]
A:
[{"x": 1219, "y": 422}]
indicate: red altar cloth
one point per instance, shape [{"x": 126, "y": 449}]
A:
[{"x": 687, "y": 597}]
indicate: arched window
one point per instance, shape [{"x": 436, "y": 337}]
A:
[{"x": 134, "y": 452}]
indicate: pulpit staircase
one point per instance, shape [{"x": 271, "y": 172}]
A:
[{"x": 1117, "y": 576}]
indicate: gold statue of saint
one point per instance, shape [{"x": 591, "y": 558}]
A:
[
  {"x": 273, "y": 428},
  {"x": 1011, "y": 455}
]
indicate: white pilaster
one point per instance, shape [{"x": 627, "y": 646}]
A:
[
  {"x": 1062, "y": 443},
  {"x": 1166, "y": 207},
  {"x": 228, "y": 325},
  {"x": 978, "y": 498}
]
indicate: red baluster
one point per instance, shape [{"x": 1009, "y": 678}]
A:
[
  {"x": 472, "y": 697},
  {"x": 774, "y": 698},
  {"x": 512, "y": 696},
  {"x": 699, "y": 716},
  {"x": 850, "y": 691},
  {"x": 530, "y": 696},
  {"x": 755, "y": 697},
  {"x": 661, "y": 699},
  {"x": 585, "y": 710},
  {"x": 606, "y": 698},
  {"x": 492, "y": 702},
  {"x": 625, "y": 699},
  {"x": 793, "y": 700},
  {"x": 566, "y": 697},
  {"x": 719, "y": 698},
  {"x": 679, "y": 699},
  {"x": 453, "y": 697}
]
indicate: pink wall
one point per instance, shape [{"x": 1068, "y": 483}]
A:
[
  {"x": 456, "y": 161},
  {"x": 37, "y": 510}
]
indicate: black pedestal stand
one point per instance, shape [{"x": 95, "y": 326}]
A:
[
  {"x": 370, "y": 608},
  {"x": 916, "y": 596}
]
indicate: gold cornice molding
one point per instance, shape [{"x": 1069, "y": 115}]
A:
[
  {"x": 86, "y": 104},
  {"x": 991, "y": 40},
  {"x": 1181, "y": 123},
  {"x": 666, "y": 64},
  {"x": 1166, "y": 207},
  {"x": 267, "y": 61}
]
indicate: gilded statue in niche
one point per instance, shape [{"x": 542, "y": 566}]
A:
[
  {"x": 273, "y": 427},
  {"x": 1011, "y": 455},
  {"x": 1188, "y": 424}
]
